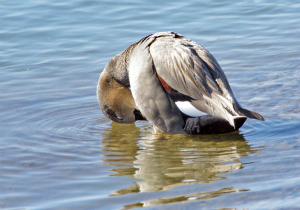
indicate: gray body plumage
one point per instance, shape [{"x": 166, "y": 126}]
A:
[{"x": 187, "y": 68}]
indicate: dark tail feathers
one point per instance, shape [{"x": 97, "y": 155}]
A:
[{"x": 251, "y": 114}]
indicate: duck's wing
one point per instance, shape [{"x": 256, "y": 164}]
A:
[{"x": 191, "y": 70}]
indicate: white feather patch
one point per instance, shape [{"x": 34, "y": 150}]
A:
[{"x": 187, "y": 108}]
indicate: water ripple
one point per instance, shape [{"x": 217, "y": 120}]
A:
[{"x": 59, "y": 151}]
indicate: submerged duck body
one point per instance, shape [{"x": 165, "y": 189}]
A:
[{"x": 173, "y": 81}]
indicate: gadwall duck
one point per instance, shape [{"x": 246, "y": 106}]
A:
[{"x": 171, "y": 81}]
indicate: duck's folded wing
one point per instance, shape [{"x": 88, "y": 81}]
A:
[
  {"x": 190, "y": 69},
  {"x": 178, "y": 62}
]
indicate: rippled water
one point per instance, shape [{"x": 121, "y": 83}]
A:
[{"x": 58, "y": 151}]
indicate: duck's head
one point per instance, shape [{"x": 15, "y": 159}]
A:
[{"x": 116, "y": 101}]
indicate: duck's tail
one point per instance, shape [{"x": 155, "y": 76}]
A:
[
  {"x": 251, "y": 114},
  {"x": 222, "y": 107}
]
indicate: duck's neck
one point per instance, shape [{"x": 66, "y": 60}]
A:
[{"x": 118, "y": 66}]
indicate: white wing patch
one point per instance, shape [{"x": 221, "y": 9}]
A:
[{"x": 187, "y": 108}]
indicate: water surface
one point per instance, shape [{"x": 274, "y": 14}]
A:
[{"x": 58, "y": 151}]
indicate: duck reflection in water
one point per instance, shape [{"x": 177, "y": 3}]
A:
[
  {"x": 174, "y": 81},
  {"x": 162, "y": 162}
]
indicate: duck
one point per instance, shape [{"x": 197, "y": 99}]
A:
[{"x": 174, "y": 83}]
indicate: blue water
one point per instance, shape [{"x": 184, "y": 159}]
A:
[{"x": 58, "y": 151}]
